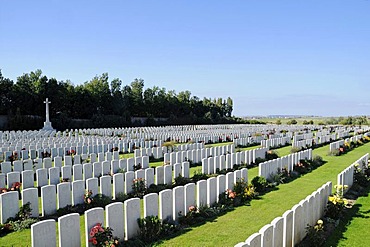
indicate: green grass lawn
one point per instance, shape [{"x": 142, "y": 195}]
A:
[
  {"x": 283, "y": 151},
  {"x": 353, "y": 230},
  {"x": 237, "y": 225}
]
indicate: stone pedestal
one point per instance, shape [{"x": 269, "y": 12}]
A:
[{"x": 47, "y": 126}]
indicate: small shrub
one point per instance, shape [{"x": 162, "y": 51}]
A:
[
  {"x": 139, "y": 187},
  {"x": 259, "y": 183},
  {"x": 271, "y": 154},
  {"x": 180, "y": 180},
  {"x": 102, "y": 236},
  {"x": 250, "y": 192},
  {"x": 121, "y": 170},
  {"x": 20, "y": 225},
  {"x": 317, "y": 161},
  {"x": 360, "y": 177},
  {"x": 150, "y": 229},
  {"x": 198, "y": 175},
  {"x": 258, "y": 160},
  {"x": 228, "y": 198},
  {"x": 121, "y": 197},
  {"x": 334, "y": 152},
  {"x": 335, "y": 206},
  {"x": 101, "y": 200},
  {"x": 137, "y": 167},
  {"x": 315, "y": 235},
  {"x": 88, "y": 198},
  {"x": 156, "y": 188}
]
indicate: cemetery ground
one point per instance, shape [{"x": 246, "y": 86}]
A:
[
  {"x": 237, "y": 225},
  {"x": 352, "y": 230}
]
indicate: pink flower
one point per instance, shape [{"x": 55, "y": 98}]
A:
[{"x": 232, "y": 195}]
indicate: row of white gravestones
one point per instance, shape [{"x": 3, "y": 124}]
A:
[
  {"x": 122, "y": 217},
  {"x": 147, "y": 133},
  {"x": 346, "y": 176},
  {"x": 71, "y": 193},
  {"x": 83, "y": 140},
  {"x": 269, "y": 168},
  {"x": 158, "y": 152},
  {"x": 80, "y": 145},
  {"x": 212, "y": 164},
  {"x": 39, "y": 150},
  {"x": 87, "y": 146},
  {"x": 290, "y": 228},
  {"x": 197, "y": 155},
  {"x": 165, "y": 174},
  {"x": 326, "y": 138},
  {"x": 69, "y": 161},
  {"x": 302, "y": 137},
  {"x": 53, "y": 175},
  {"x": 304, "y": 143},
  {"x": 336, "y": 145},
  {"x": 59, "y": 153},
  {"x": 247, "y": 141},
  {"x": 276, "y": 142},
  {"x": 355, "y": 138}
]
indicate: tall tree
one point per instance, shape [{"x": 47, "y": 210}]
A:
[
  {"x": 137, "y": 87},
  {"x": 99, "y": 90},
  {"x": 7, "y": 94}
]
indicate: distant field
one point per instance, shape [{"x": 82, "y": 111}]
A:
[{"x": 316, "y": 120}]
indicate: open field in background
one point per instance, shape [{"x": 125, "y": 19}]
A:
[{"x": 300, "y": 120}]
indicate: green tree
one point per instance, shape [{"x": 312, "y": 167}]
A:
[
  {"x": 229, "y": 107},
  {"x": 7, "y": 94},
  {"x": 137, "y": 87}
]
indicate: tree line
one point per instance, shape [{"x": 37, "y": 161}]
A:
[{"x": 103, "y": 103}]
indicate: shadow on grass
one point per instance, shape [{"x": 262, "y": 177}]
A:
[
  {"x": 190, "y": 228},
  {"x": 350, "y": 214}
]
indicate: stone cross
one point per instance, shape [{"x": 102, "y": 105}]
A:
[
  {"x": 47, "y": 123},
  {"x": 47, "y": 102}
]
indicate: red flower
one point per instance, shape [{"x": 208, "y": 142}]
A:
[{"x": 94, "y": 242}]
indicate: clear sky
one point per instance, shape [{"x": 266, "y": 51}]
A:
[{"x": 307, "y": 57}]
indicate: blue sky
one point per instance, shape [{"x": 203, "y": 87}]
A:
[{"x": 271, "y": 57}]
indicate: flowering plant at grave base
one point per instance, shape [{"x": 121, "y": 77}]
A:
[
  {"x": 336, "y": 204},
  {"x": 3, "y": 190},
  {"x": 139, "y": 187},
  {"x": 315, "y": 234},
  {"x": 45, "y": 154},
  {"x": 102, "y": 236},
  {"x": 71, "y": 152},
  {"x": 137, "y": 167},
  {"x": 88, "y": 198},
  {"x": 227, "y": 198},
  {"x": 63, "y": 180},
  {"x": 6, "y": 228},
  {"x": 16, "y": 186},
  {"x": 340, "y": 189}
]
